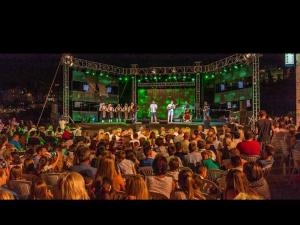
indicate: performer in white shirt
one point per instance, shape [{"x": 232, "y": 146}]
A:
[
  {"x": 171, "y": 108},
  {"x": 153, "y": 110}
]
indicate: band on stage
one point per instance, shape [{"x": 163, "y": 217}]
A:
[{"x": 129, "y": 112}]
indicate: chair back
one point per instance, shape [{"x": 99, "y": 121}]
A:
[
  {"x": 51, "y": 178},
  {"x": 250, "y": 158},
  {"x": 21, "y": 187},
  {"x": 146, "y": 170},
  {"x": 211, "y": 189},
  {"x": 215, "y": 174},
  {"x": 157, "y": 196}
]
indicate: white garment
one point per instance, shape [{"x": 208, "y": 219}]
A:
[
  {"x": 160, "y": 185},
  {"x": 127, "y": 167},
  {"x": 153, "y": 107},
  {"x": 170, "y": 112},
  {"x": 194, "y": 157}
]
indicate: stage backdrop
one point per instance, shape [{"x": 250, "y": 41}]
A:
[{"x": 163, "y": 97}]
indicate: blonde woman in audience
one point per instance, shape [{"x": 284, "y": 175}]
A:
[
  {"x": 72, "y": 187},
  {"x": 40, "y": 191},
  {"x": 6, "y": 195},
  {"x": 136, "y": 188},
  {"x": 107, "y": 168}
]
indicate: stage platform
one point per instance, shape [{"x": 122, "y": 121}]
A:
[{"x": 135, "y": 126}]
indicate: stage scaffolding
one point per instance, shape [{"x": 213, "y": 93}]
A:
[{"x": 197, "y": 69}]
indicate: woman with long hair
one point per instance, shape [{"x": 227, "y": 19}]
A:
[
  {"x": 136, "y": 188},
  {"x": 107, "y": 168},
  {"x": 71, "y": 186},
  {"x": 237, "y": 184},
  {"x": 40, "y": 191}
]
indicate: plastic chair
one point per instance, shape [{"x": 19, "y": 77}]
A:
[
  {"x": 252, "y": 158},
  {"x": 214, "y": 175},
  {"x": 157, "y": 196},
  {"x": 210, "y": 189}
]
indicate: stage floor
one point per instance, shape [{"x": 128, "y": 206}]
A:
[{"x": 96, "y": 126}]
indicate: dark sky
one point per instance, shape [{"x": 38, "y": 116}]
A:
[{"x": 36, "y": 69}]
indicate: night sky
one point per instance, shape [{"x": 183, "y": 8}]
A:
[{"x": 34, "y": 70}]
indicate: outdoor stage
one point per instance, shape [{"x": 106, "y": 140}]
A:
[{"x": 93, "y": 127}]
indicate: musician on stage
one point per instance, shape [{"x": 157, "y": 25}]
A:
[
  {"x": 119, "y": 111},
  {"x": 153, "y": 110},
  {"x": 126, "y": 111},
  {"x": 111, "y": 112},
  {"x": 170, "y": 109},
  {"x": 133, "y": 109},
  {"x": 100, "y": 112},
  {"x": 186, "y": 114},
  {"x": 103, "y": 110},
  {"x": 206, "y": 111}
]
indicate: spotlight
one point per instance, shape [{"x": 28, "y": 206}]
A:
[{"x": 68, "y": 60}]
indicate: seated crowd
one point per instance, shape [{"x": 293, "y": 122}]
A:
[{"x": 115, "y": 164}]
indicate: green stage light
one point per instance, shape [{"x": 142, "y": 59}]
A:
[
  {"x": 206, "y": 76},
  {"x": 193, "y": 79},
  {"x": 93, "y": 73},
  {"x": 236, "y": 67},
  {"x": 107, "y": 75},
  {"x": 120, "y": 78},
  {"x": 87, "y": 72},
  {"x": 101, "y": 74},
  {"x": 213, "y": 76},
  {"x": 225, "y": 70},
  {"x": 139, "y": 80},
  {"x": 126, "y": 78}
]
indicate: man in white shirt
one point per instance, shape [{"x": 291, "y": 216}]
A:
[
  {"x": 171, "y": 108},
  {"x": 153, "y": 110},
  {"x": 62, "y": 124}
]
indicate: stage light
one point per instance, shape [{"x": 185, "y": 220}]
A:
[
  {"x": 206, "y": 76},
  {"x": 120, "y": 78},
  {"x": 193, "y": 79},
  {"x": 93, "y": 73},
  {"x": 101, "y": 74},
  {"x": 107, "y": 75},
  {"x": 225, "y": 70},
  {"x": 155, "y": 78},
  {"x": 68, "y": 60},
  {"x": 235, "y": 67},
  {"x": 139, "y": 80},
  {"x": 213, "y": 76},
  {"x": 126, "y": 78},
  {"x": 87, "y": 71}
]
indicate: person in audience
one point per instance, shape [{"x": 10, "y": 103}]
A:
[
  {"x": 172, "y": 151},
  {"x": 174, "y": 168},
  {"x": 202, "y": 171},
  {"x": 186, "y": 186},
  {"x": 249, "y": 147},
  {"x": 148, "y": 161},
  {"x": 71, "y": 186},
  {"x": 236, "y": 163},
  {"x": 208, "y": 162},
  {"x": 136, "y": 188},
  {"x": 107, "y": 169},
  {"x": 160, "y": 183},
  {"x": 40, "y": 190},
  {"x": 6, "y": 195},
  {"x": 83, "y": 161},
  {"x": 126, "y": 166},
  {"x": 198, "y": 183},
  {"x": 257, "y": 182},
  {"x": 267, "y": 158},
  {"x": 3, "y": 183},
  {"x": 237, "y": 183},
  {"x": 194, "y": 157}
]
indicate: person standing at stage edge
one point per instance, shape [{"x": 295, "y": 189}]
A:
[
  {"x": 171, "y": 108},
  {"x": 153, "y": 110},
  {"x": 263, "y": 129}
]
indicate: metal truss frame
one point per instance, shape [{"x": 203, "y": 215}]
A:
[
  {"x": 249, "y": 58},
  {"x": 166, "y": 84}
]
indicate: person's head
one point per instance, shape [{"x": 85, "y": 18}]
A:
[
  {"x": 178, "y": 146},
  {"x": 147, "y": 151},
  {"x": 28, "y": 166},
  {"x": 159, "y": 141},
  {"x": 41, "y": 151},
  {"x": 186, "y": 182},
  {"x": 121, "y": 155},
  {"x": 107, "y": 168},
  {"x": 16, "y": 173},
  {"x": 193, "y": 147},
  {"x": 201, "y": 144},
  {"x": 83, "y": 154},
  {"x": 40, "y": 190},
  {"x": 236, "y": 181},
  {"x": 249, "y": 135},
  {"x": 171, "y": 149},
  {"x": 205, "y": 155},
  {"x": 236, "y": 161},
  {"x": 153, "y": 102},
  {"x": 174, "y": 164},
  {"x": 43, "y": 162},
  {"x": 16, "y": 137},
  {"x": 135, "y": 135},
  {"x": 72, "y": 187},
  {"x": 136, "y": 188},
  {"x": 253, "y": 171},
  {"x": 200, "y": 128},
  {"x": 172, "y": 102},
  {"x": 262, "y": 114},
  {"x": 160, "y": 165},
  {"x": 202, "y": 171},
  {"x": 6, "y": 195}
]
